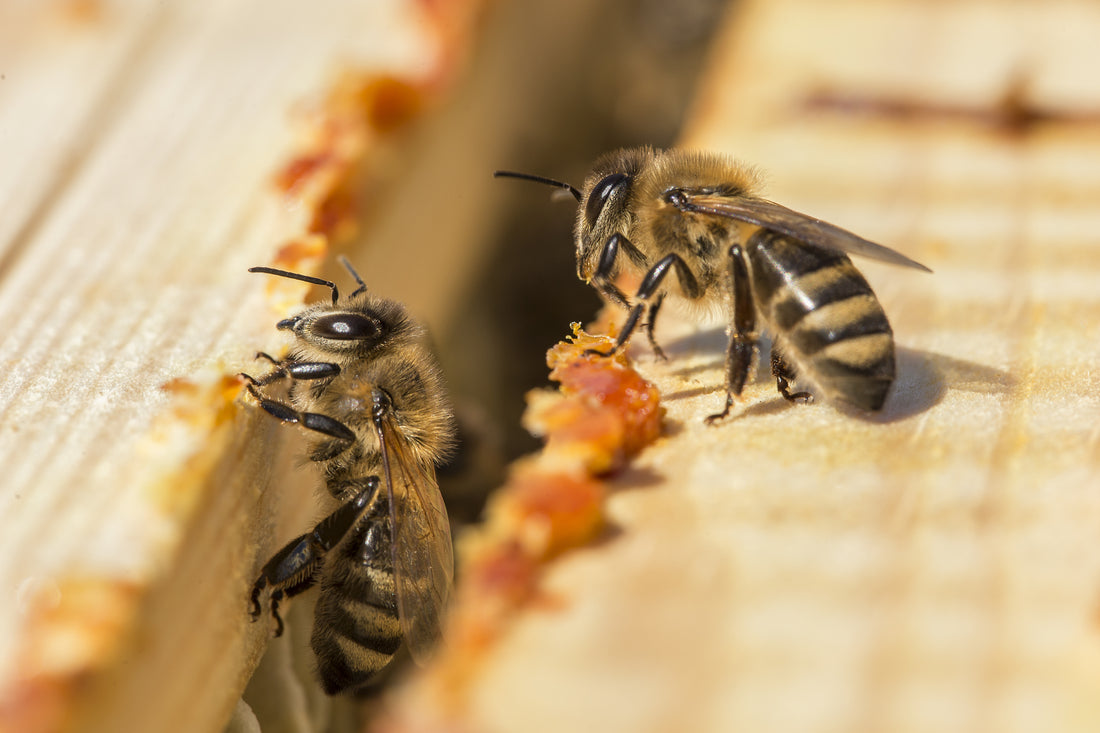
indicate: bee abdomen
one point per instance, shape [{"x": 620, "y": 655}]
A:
[
  {"x": 356, "y": 630},
  {"x": 858, "y": 371},
  {"x": 835, "y": 324},
  {"x": 826, "y": 316}
]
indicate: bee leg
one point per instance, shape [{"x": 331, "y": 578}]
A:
[
  {"x": 294, "y": 568},
  {"x": 647, "y": 292},
  {"x": 605, "y": 269},
  {"x": 302, "y": 370},
  {"x": 310, "y": 420},
  {"x": 650, "y": 322},
  {"x": 279, "y": 372},
  {"x": 784, "y": 373},
  {"x": 742, "y": 339},
  {"x": 307, "y": 370},
  {"x": 289, "y": 572}
]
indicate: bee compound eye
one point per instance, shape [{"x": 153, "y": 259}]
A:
[
  {"x": 601, "y": 192},
  {"x": 346, "y": 327}
]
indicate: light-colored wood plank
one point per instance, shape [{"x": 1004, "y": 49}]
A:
[
  {"x": 140, "y": 141},
  {"x": 800, "y": 568}
]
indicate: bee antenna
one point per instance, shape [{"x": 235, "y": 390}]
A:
[
  {"x": 304, "y": 278},
  {"x": 539, "y": 179},
  {"x": 347, "y": 265}
]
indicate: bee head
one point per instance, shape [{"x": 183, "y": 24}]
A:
[
  {"x": 356, "y": 326},
  {"x": 605, "y": 209},
  {"x": 603, "y": 203},
  {"x": 363, "y": 325}
]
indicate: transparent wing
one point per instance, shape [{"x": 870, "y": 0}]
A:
[
  {"x": 780, "y": 219},
  {"x": 423, "y": 561}
]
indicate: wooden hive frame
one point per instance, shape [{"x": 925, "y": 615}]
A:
[
  {"x": 797, "y": 568},
  {"x": 934, "y": 567}
]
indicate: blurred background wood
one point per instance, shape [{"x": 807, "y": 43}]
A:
[{"x": 800, "y": 568}]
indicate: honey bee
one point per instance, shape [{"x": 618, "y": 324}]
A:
[
  {"x": 695, "y": 215},
  {"x": 360, "y": 380}
]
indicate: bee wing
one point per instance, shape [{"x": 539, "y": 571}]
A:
[
  {"x": 777, "y": 218},
  {"x": 423, "y": 561}
]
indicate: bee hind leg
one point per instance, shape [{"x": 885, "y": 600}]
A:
[
  {"x": 294, "y": 568},
  {"x": 740, "y": 353},
  {"x": 784, "y": 374},
  {"x": 741, "y": 349}
]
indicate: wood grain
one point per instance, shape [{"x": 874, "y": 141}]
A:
[
  {"x": 803, "y": 568},
  {"x": 140, "y": 144}
]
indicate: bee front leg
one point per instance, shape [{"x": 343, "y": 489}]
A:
[
  {"x": 742, "y": 338},
  {"x": 343, "y": 435},
  {"x": 302, "y": 370},
  {"x": 294, "y": 569},
  {"x": 649, "y": 299},
  {"x": 650, "y": 322},
  {"x": 784, "y": 374},
  {"x": 603, "y": 277}
]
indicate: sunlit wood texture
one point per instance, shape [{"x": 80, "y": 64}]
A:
[
  {"x": 140, "y": 145},
  {"x": 934, "y": 567}
]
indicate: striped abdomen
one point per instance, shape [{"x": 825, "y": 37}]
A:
[
  {"x": 828, "y": 321},
  {"x": 356, "y": 630}
]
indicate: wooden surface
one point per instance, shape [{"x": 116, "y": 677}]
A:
[
  {"x": 141, "y": 142},
  {"x": 801, "y": 568},
  {"x": 794, "y": 569}
]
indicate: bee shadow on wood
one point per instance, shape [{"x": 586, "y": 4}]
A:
[
  {"x": 712, "y": 341},
  {"x": 923, "y": 377}
]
